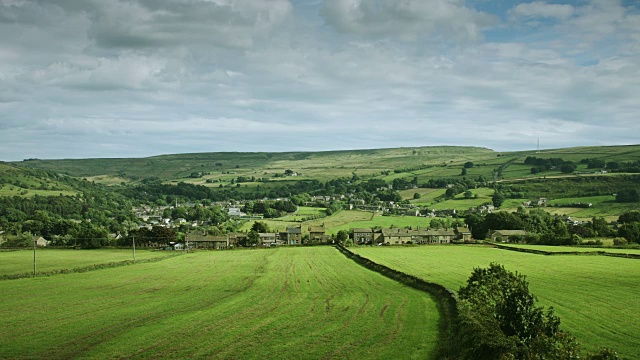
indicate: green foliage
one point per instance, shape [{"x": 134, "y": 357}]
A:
[
  {"x": 497, "y": 199},
  {"x": 499, "y": 320},
  {"x": 260, "y": 227},
  {"x": 468, "y": 165},
  {"x": 628, "y": 195}
]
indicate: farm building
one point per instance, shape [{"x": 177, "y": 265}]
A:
[
  {"x": 203, "y": 241},
  {"x": 507, "y": 235},
  {"x": 293, "y": 236}
]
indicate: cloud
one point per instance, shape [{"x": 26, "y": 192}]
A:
[
  {"x": 407, "y": 20},
  {"x": 142, "y": 77},
  {"x": 539, "y": 9}
]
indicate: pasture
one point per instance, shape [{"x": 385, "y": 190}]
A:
[
  {"x": 21, "y": 261},
  {"x": 594, "y": 296},
  {"x": 287, "y": 303},
  {"x": 554, "y": 249}
]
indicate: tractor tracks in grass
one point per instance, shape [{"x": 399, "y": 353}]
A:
[{"x": 446, "y": 300}]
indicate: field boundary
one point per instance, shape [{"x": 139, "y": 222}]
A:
[
  {"x": 446, "y": 300},
  {"x": 581, "y": 253},
  {"x": 84, "y": 268}
]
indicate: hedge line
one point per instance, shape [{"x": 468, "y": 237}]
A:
[{"x": 446, "y": 300}]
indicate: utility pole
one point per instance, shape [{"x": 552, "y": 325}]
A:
[
  {"x": 34, "y": 256},
  {"x": 134, "y": 249}
]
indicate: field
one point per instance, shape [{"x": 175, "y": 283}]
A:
[
  {"x": 594, "y": 296},
  {"x": 575, "y": 249},
  {"x": 293, "y": 302},
  {"x": 21, "y": 261}
]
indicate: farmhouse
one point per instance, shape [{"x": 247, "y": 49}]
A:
[
  {"x": 463, "y": 234},
  {"x": 202, "y": 241},
  {"x": 40, "y": 241},
  {"x": 317, "y": 233},
  {"x": 293, "y": 236},
  {"x": 507, "y": 235},
  {"x": 267, "y": 239},
  {"x": 362, "y": 236}
]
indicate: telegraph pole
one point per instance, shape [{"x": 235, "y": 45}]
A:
[{"x": 34, "y": 256}]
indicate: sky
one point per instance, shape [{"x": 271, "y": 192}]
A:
[{"x": 136, "y": 78}]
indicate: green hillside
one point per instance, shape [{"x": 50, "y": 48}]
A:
[
  {"x": 19, "y": 181},
  {"x": 421, "y": 162},
  {"x": 321, "y": 165}
]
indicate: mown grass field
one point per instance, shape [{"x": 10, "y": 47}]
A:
[
  {"x": 21, "y": 261},
  {"x": 288, "y": 303},
  {"x": 575, "y": 249},
  {"x": 595, "y": 296}
]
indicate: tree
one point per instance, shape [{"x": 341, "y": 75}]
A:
[
  {"x": 468, "y": 165},
  {"x": 568, "y": 167},
  {"x": 630, "y": 231},
  {"x": 260, "y": 227},
  {"x": 629, "y": 217},
  {"x": 628, "y": 195},
  {"x": 417, "y": 196},
  {"x": 463, "y": 172},
  {"x": 497, "y": 199},
  {"x": 342, "y": 236},
  {"x": 499, "y": 320},
  {"x": 253, "y": 238},
  {"x": 468, "y": 194}
]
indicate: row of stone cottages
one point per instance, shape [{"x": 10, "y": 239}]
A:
[{"x": 293, "y": 236}]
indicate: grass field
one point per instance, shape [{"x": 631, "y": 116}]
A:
[
  {"x": 575, "y": 249},
  {"x": 21, "y": 261},
  {"x": 595, "y": 296},
  {"x": 286, "y": 303}
]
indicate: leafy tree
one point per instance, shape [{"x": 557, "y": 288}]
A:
[
  {"x": 499, "y": 320},
  {"x": 628, "y": 195},
  {"x": 417, "y": 196},
  {"x": 568, "y": 167},
  {"x": 253, "y": 238},
  {"x": 468, "y": 194},
  {"x": 629, "y": 217},
  {"x": 468, "y": 165},
  {"x": 342, "y": 236},
  {"x": 630, "y": 231},
  {"x": 497, "y": 199},
  {"x": 260, "y": 227}
]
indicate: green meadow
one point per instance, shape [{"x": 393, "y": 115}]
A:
[
  {"x": 287, "y": 303},
  {"x": 561, "y": 249},
  {"x": 595, "y": 296},
  {"x": 21, "y": 261}
]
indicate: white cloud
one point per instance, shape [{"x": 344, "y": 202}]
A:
[
  {"x": 408, "y": 19},
  {"x": 156, "y": 76},
  {"x": 539, "y": 9}
]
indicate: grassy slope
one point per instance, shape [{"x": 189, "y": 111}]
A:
[
  {"x": 32, "y": 182},
  {"x": 311, "y": 164},
  {"x": 594, "y": 296},
  {"x": 291, "y": 302}
]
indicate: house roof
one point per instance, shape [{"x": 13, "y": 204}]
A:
[
  {"x": 510, "y": 232},
  {"x": 463, "y": 230},
  {"x": 294, "y": 230}
]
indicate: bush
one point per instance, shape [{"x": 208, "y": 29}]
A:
[
  {"x": 620, "y": 241},
  {"x": 498, "y": 319}
]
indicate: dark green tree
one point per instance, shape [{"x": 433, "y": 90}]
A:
[
  {"x": 499, "y": 320},
  {"x": 497, "y": 199},
  {"x": 260, "y": 227}
]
